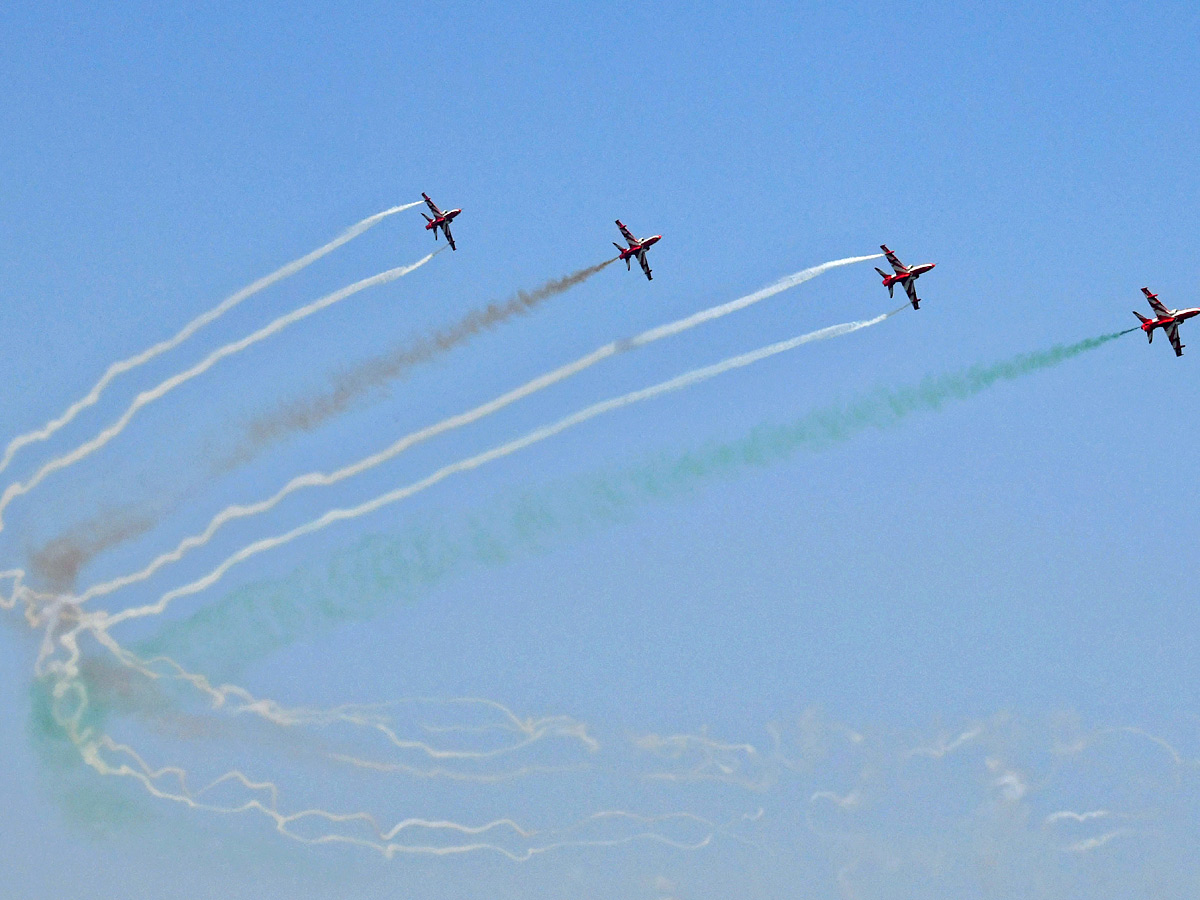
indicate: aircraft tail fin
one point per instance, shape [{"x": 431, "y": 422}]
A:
[
  {"x": 427, "y": 219},
  {"x": 884, "y": 275},
  {"x": 628, "y": 264},
  {"x": 1144, "y": 320}
]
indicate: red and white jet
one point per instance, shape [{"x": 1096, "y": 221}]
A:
[
  {"x": 636, "y": 248},
  {"x": 440, "y": 220},
  {"x": 905, "y": 275},
  {"x": 1166, "y": 319}
]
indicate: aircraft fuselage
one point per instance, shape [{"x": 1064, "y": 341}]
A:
[
  {"x": 444, "y": 219},
  {"x": 913, "y": 273},
  {"x": 1176, "y": 316},
  {"x": 635, "y": 249}
]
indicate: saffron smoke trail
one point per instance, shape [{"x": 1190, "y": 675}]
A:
[
  {"x": 191, "y": 328},
  {"x": 145, "y": 398},
  {"x": 322, "y": 479},
  {"x": 380, "y": 571},
  {"x": 310, "y": 413},
  {"x": 104, "y": 621},
  {"x": 58, "y": 561}
]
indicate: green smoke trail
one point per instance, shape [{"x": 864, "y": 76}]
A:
[
  {"x": 380, "y": 571},
  {"x": 883, "y": 408},
  {"x": 98, "y": 808}
]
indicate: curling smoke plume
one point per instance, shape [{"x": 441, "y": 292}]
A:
[
  {"x": 310, "y": 413},
  {"x": 191, "y": 328}
]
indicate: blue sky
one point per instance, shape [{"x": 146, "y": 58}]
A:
[{"x": 1012, "y": 568}]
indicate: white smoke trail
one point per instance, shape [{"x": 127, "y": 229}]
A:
[
  {"x": 105, "y": 620},
  {"x": 1089, "y": 844},
  {"x": 441, "y": 837},
  {"x": 17, "y": 577},
  {"x": 942, "y": 747},
  {"x": 697, "y": 757},
  {"x": 125, "y": 365},
  {"x": 394, "y": 768},
  {"x": 143, "y": 399},
  {"x": 528, "y": 731},
  {"x": 321, "y": 479},
  {"x": 1070, "y": 816}
]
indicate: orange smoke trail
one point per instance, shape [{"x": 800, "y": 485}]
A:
[
  {"x": 309, "y": 413},
  {"x": 59, "y": 561}
]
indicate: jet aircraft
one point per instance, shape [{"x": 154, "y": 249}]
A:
[
  {"x": 636, "y": 248},
  {"x": 906, "y": 275},
  {"x": 1166, "y": 319},
  {"x": 440, "y": 220}
]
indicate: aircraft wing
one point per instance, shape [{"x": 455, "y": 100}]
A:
[
  {"x": 645, "y": 265},
  {"x": 627, "y": 234},
  {"x": 1173, "y": 337},
  {"x": 911, "y": 287},
  {"x": 432, "y": 206},
  {"x": 1157, "y": 305},
  {"x": 449, "y": 236},
  {"x": 900, "y": 267}
]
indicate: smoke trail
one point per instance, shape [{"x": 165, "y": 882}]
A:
[
  {"x": 465, "y": 465},
  {"x": 883, "y": 408},
  {"x": 58, "y": 562},
  {"x": 320, "y": 479},
  {"x": 67, "y": 705},
  {"x": 16, "y": 489},
  {"x": 94, "y": 805},
  {"x": 379, "y": 572},
  {"x": 191, "y": 328},
  {"x": 310, "y": 413}
]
